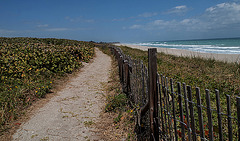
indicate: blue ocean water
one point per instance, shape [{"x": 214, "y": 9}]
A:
[{"x": 218, "y": 46}]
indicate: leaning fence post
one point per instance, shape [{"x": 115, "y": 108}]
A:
[{"x": 153, "y": 97}]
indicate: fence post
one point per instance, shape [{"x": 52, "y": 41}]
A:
[{"x": 153, "y": 97}]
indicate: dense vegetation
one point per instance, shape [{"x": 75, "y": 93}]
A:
[{"x": 28, "y": 66}]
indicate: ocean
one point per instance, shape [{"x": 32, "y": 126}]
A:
[{"x": 218, "y": 46}]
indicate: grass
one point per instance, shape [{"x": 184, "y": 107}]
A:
[
  {"x": 29, "y": 67},
  {"x": 117, "y": 102},
  {"x": 203, "y": 73}
]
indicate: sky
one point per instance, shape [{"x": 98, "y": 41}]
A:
[{"x": 123, "y": 21}]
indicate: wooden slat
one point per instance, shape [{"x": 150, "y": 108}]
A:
[
  {"x": 161, "y": 101},
  {"x": 136, "y": 84},
  {"x": 187, "y": 111},
  {"x": 168, "y": 108},
  {"x": 173, "y": 109},
  {"x": 230, "y": 136},
  {"x": 219, "y": 116},
  {"x": 164, "y": 103},
  {"x": 181, "y": 111},
  {"x": 200, "y": 117},
  {"x": 209, "y": 113},
  {"x": 143, "y": 86},
  {"x": 165, "y": 111},
  {"x": 189, "y": 91}
]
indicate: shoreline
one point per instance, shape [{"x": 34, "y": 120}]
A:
[{"x": 230, "y": 58}]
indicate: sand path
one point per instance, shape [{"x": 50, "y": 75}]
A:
[{"x": 72, "y": 113}]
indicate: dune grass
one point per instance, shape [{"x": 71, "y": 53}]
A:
[
  {"x": 203, "y": 73},
  {"x": 29, "y": 67}
]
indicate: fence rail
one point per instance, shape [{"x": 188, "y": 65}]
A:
[{"x": 168, "y": 111}]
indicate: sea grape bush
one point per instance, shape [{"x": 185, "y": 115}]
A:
[{"x": 28, "y": 67}]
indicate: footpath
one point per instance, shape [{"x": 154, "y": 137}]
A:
[{"x": 70, "y": 114}]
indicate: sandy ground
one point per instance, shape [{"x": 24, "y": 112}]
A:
[
  {"x": 72, "y": 113},
  {"x": 179, "y": 52}
]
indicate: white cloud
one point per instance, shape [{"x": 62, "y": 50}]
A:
[
  {"x": 148, "y": 14},
  {"x": 135, "y": 26},
  {"x": 224, "y": 16},
  {"x": 223, "y": 7},
  {"x": 42, "y": 25},
  {"x": 79, "y": 19},
  {"x": 179, "y": 10},
  {"x": 161, "y": 23},
  {"x": 58, "y": 29},
  {"x": 181, "y": 7},
  {"x": 65, "y": 29}
]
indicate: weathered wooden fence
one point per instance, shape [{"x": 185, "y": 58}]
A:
[{"x": 165, "y": 111}]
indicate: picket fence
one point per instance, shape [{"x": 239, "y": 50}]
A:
[{"x": 165, "y": 110}]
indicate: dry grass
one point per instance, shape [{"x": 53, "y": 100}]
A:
[{"x": 117, "y": 121}]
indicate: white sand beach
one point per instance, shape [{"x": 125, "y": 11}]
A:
[{"x": 179, "y": 52}]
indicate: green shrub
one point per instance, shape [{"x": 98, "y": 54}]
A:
[{"x": 28, "y": 67}]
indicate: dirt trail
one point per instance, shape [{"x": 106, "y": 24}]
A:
[{"x": 72, "y": 113}]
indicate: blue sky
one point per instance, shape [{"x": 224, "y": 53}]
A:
[{"x": 124, "y": 21}]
